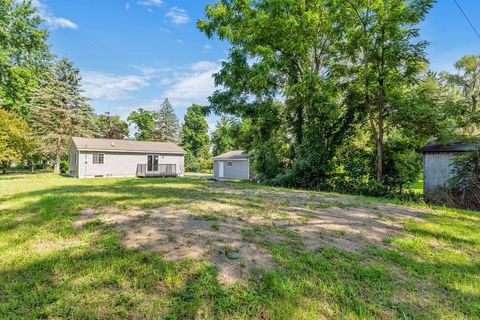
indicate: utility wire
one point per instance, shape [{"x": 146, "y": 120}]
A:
[{"x": 465, "y": 15}]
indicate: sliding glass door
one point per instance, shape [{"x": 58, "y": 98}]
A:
[{"x": 152, "y": 163}]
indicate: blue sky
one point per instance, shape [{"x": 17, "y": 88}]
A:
[{"x": 136, "y": 53}]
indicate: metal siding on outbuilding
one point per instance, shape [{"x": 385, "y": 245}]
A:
[{"x": 437, "y": 170}]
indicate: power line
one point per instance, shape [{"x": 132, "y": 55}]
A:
[{"x": 465, "y": 15}]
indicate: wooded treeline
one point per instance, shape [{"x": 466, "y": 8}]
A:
[{"x": 336, "y": 95}]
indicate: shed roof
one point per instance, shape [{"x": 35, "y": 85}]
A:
[
  {"x": 93, "y": 144},
  {"x": 433, "y": 147},
  {"x": 233, "y": 155}
]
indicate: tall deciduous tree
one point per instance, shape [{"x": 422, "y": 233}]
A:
[
  {"x": 23, "y": 54},
  {"x": 60, "y": 111},
  {"x": 195, "y": 138},
  {"x": 167, "y": 125},
  {"x": 465, "y": 90},
  {"x": 14, "y": 138},
  {"x": 112, "y": 127},
  {"x": 286, "y": 48},
  {"x": 144, "y": 122},
  {"x": 382, "y": 39}
]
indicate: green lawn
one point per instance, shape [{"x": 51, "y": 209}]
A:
[{"x": 325, "y": 256}]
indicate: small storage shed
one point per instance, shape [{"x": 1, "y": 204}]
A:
[
  {"x": 437, "y": 164},
  {"x": 232, "y": 165}
]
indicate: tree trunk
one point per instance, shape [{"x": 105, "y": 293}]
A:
[
  {"x": 381, "y": 111},
  {"x": 474, "y": 126},
  {"x": 58, "y": 155},
  {"x": 56, "y": 168},
  {"x": 32, "y": 167},
  {"x": 381, "y": 132},
  {"x": 297, "y": 131},
  {"x": 4, "y": 167},
  {"x": 379, "y": 159}
]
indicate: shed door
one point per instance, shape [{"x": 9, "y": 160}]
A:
[{"x": 220, "y": 169}]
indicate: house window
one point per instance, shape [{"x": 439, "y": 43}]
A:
[
  {"x": 98, "y": 158},
  {"x": 229, "y": 164}
]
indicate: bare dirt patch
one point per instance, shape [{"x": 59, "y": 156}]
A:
[
  {"x": 207, "y": 229},
  {"x": 180, "y": 234}
]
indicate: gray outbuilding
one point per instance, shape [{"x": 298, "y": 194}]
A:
[
  {"x": 438, "y": 165},
  {"x": 232, "y": 165},
  {"x": 91, "y": 158}
]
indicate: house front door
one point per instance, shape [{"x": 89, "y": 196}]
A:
[{"x": 152, "y": 163}]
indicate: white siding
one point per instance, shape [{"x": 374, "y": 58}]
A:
[
  {"x": 122, "y": 164},
  {"x": 240, "y": 169},
  {"x": 437, "y": 170}
]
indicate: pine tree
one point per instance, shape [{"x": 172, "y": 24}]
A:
[
  {"x": 195, "y": 138},
  {"x": 168, "y": 127},
  {"x": 60, "y": 110}
]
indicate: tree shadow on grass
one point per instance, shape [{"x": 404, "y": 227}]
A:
[{"x": 102, "y": 279}]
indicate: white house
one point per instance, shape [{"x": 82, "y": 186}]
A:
[
  {"x": 232, "y": 165},
  {"x": 90, "y": 158}
]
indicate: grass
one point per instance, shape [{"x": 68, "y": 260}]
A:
[
  {"x": 50, "y": 269},
  {"x": 417, "y": 187}
]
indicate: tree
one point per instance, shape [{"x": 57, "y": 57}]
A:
[
  {"x": 386, "y": 57},
  {"x": 195, "y": 138},
  {"x": 167, "y": 125},
  {"x": 464, "y": 88},
  {"x": 263, "y": 135},
  {"x": 291, "y": 49},
  {"x": 112, "y": 127},
  {"x": 144, "y": 122},
  {"x": 60, "y": 111},
  {"x": 14, "y": 138},
  {"x": 223, "y": 138},
  {"x": 23, "y": 54}
]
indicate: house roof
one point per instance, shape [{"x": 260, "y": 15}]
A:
[
  {"x": 233, "y": 155},
  {"x": 433, "y": 147},
  {"x": 92, "y": 144}
]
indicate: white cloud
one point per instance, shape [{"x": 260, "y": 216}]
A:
[
  {"x": 204, "y": 66},
  {"x": 52, "y": 21},
  {"x": 178, "y": 16},
  {"x": 194, "y": 85},
  {"x": 103, "y": 86},
  {"x": 127, "y": 6},
  {"x": 180, "y": 41},
  {"x": 166, "y": 30},
  {"x": 207, "y": 47},
  {"x": 150, "y": 3}
]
